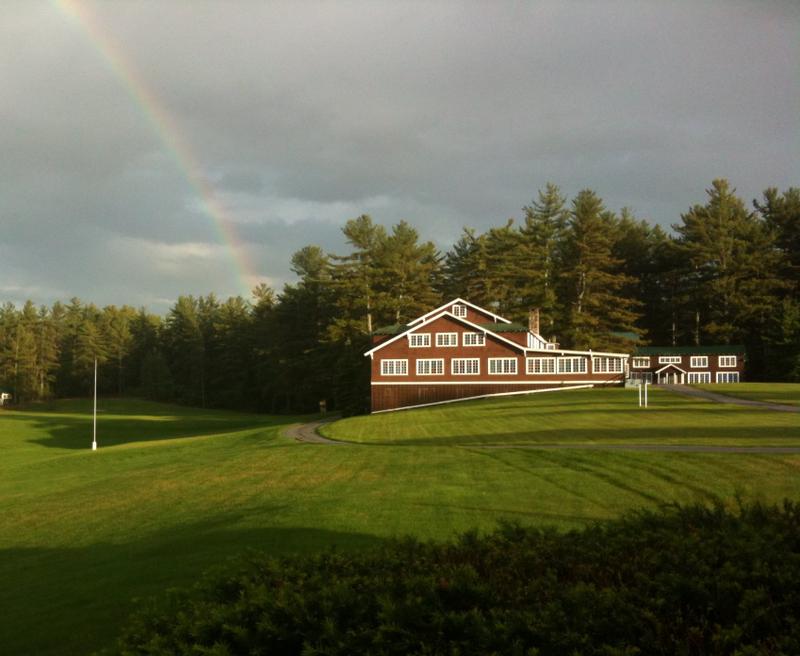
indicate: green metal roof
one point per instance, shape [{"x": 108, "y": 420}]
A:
[
  {"x": 394, "y": 329},
  {"x": 630, "y": 336},
  {"x": 498, "y": 327},
  {"x": 714, "y": 349}
]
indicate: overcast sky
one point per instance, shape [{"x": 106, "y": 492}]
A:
[{"x": 301, "y": 116}]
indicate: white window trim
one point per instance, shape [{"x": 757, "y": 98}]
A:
[
  {"x": 477, "y": 371},
  {"x": 502, "y": 373},
  {"x": 581, "y": 370},
  {"x": 529, "y": 367},
  {"x": 428, "y": 340},
  {"x": 728, "y": 374},
  {"x": 640, "y": 358},
  {"x": 669, "y": 359},
  {"x": 698, "y": 374},
  {"x": 431, "y": 360},
  {"x": 449, "y": 336},
  {"x": 720, "y": 359},
  {"x": 602, "y": 365},
  {"x": 459, "y": 310},
  {"x": 698, "y": 362},
  {"x": 481, "y": 338},
  {"x": 395, "y": 361}
]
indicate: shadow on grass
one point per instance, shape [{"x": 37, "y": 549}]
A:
[
  {"x": 75, "y": 600},
  {"x": 65, "y": 431}
]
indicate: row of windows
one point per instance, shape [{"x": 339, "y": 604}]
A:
[
  {"x": 420, "y": 340},
  {"x": 503, "y": 366},
  {"x": 696, "y": 361},
  {"x": 694, "y": 377},
  {"x": 435, "y": 366}
]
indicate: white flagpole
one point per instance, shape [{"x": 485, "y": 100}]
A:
[{"x": 94, "y": 416}]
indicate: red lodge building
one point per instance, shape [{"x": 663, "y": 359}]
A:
[{"x": 460, "y": 351}]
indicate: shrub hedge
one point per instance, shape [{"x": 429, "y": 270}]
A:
[{"x": 681, "y": 580}]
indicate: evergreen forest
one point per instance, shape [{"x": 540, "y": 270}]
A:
[{"x": 727, "y": 273}]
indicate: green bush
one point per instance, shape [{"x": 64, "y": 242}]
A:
[{"x": 683, "y": 580}]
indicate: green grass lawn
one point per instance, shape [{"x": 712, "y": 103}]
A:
[
  {"x": 173, "y": 491},
  {"x": 577, "y": 416},
  {"x": 783, "y": 393}
]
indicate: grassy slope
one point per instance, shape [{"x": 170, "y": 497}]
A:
[
  {"x": 577, "y": 416},
  {"x": 173, "y": 491},
  {"x": 784, "y": 393}
]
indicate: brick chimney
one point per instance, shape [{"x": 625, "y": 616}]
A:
[{"x": 533, "y": 320}]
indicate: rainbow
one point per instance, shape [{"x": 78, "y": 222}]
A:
[{"x": 170, "y": 135}]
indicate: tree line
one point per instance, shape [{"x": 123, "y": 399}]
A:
[{"x": 729, "y": 273}]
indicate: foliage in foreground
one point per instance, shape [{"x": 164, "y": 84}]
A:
[{"x": 684, "y": 580}]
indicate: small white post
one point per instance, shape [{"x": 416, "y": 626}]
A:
[
  {"x": 94, "y": 414},
  {"x": 645, "y": 394},
  {"x": 641, "y": 382}
]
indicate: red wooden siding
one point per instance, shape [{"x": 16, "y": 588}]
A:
[{"x": 413, "y": 389}]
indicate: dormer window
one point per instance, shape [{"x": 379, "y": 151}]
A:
[{"x": 460, "y": 310}]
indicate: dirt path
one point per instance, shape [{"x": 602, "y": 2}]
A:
[
  {"x": 721, "y": 398},
  {"x": 308, "y": 432}
]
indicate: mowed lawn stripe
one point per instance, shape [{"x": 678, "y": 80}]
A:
[
  {"x": 780, "y": 393},
  {"x": 575, "y": 416}
]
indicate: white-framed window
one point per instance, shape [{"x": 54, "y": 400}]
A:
[
  {"x": 538, "y": 366},
  {"x": 728, "y": 376},
  {"x": 460, "y": 310},
  {"x": 572, "y": 365},
  {"x": 503, "y": 366},
  {"x": 696, "y": 377},
  {"x": 446, "y": 339},
  {"x": 669, "y": 359},
  {"x": 418, "y": 340},
  {"x": 640, "y": 363},
  {"x": 606, "y": 365},
  {"x": 473, "y": 339},
  {"x": 394, "y": 367},
  {"x": 699, "y": 362},
  {"x": 727, "y": 361},
  {"x": 430, "y": 367},
  {"x": 465, "y": 366}
]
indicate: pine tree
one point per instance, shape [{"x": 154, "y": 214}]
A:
[
  {"x": 781, "y": 213},
  {"x": 185, "y": 350},
  {"x": 463, "y": 269},
  {"x": 732, "y": 267},
  {"x": 356, "y": 277},
  {"x": 592, "y": 282},
  {"x": 540, "y": 256},
  {"x": 90, "y": 345},
  {"x": 407, "y": 274}
]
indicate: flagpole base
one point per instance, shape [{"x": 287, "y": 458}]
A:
[{"x": 94, "y": 446}]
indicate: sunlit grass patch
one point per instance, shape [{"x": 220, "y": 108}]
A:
[{"x": 575, "y": 416}]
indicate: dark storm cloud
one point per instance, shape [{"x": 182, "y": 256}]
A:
[{"x": 303, "y": 115}]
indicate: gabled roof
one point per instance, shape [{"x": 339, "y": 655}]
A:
[
  {"x": 460, "y": 301},
  {"x": 667, "y": 366},
  {"x": 484, "y": 328},
  {"x": 716, "y": 349},
  {"x": 415, "y": 326}
]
